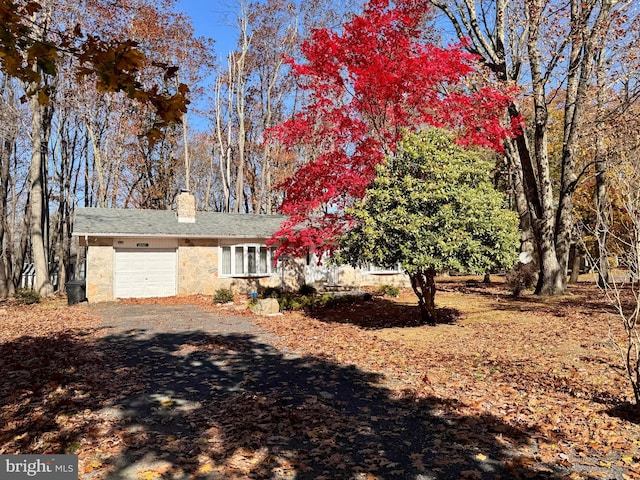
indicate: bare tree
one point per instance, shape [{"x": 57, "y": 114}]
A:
[
  {"x": 41, "y": 116},
  {"x": 8, "y": 138},
  {"x": 223, "y": 129},
  {"x": 625, "y": 295},
  {"x": 556, "y": 43}
]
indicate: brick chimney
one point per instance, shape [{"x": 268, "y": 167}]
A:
[{"x": 186, "y": 207}]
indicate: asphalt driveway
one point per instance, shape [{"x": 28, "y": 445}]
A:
[
  {"x": 149, "y": 319},
  {"x": 214, "y": 399}
]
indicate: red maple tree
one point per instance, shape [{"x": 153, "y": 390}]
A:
[{"x": 366, "y": 85}]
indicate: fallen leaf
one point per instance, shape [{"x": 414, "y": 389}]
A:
[{"x": 149, "y": 475}]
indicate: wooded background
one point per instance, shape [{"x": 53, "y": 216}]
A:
[{"x": 93, "y": 110}]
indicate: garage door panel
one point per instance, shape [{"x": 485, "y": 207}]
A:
[{"x": 145, "y": 273}]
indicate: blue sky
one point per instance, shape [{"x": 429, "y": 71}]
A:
[{"x": 214, "y": 19}]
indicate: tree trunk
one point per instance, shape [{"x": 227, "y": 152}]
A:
[
  {"x": 576, "y": 262},
  {"x": 17, "y": 230},
  {"x": 97, "y": 163},
  {"x": 224, "y": 146},
  {"x": 552, "y": 278},
  {"x": 241, "y": 92},
  {"x": 20, "y": 253},
  {"x": 587, "y": 42},
  {"x": 5, "y": 266},
  {"x": 7, "y": 149},
  {"x": 527, "y": 237},
  {"x": 589, "y": 22},
  {"x": 66, "y": 174},
  {"x": 424, "y": 286},
  {"x": 37, "y": 199},
  {"x": 603, "y": 218},
  {"x": 185, "y": 145}
]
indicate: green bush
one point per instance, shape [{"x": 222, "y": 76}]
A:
[
  {"x": 283, "y": 303},
  {"x": 310, "y": 301},
  {"x": 389, "y": 290},
  {"x": 332, "y": 300},
  {"x": 325, "y": 299},
  {"x": 294, "y": 302},
  {"x": 25, "y": 296},
  {"x": 223, "y": 295}
]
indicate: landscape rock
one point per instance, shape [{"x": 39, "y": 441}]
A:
[{"x": 266, "y": 306}]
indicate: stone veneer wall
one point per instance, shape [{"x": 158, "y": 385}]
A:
[
  {"x": 198, "y": 267},
  {"x": 99, "y": 282},
  {"x": 349, "y": 276},
  {"x": 186, "y": 208},
  {"x": 198, "y": 271}
]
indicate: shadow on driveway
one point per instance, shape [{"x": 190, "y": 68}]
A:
[{"x": 216, "y": 404}]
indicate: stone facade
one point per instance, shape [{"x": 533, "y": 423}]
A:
[
  {"x": 99, "y": 281},
  {"x": 186, "y": 208},
  {"x": 198, "y": 264},
  {"x": 198, "y": 267},
  {"x": 352, "y": 277}
]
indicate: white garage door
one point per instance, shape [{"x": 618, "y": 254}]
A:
[{"x": 145, "y": 273}]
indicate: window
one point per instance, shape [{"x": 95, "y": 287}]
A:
[
  {"x": 373, "y": 269},
  {"x": 247, "y": 260}
]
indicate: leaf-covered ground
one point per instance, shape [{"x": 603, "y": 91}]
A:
[{"x": 503, "y": 388}]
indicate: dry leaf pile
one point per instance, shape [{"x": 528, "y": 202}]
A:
[{"x": 505, "y": 388}]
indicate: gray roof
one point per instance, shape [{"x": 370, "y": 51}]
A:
[{"x": 164, "y": 223}]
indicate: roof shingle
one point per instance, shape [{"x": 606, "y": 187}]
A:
[{"x": 164, "y": 223}]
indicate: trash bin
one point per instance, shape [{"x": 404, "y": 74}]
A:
[{"x": 75, "y": 292}]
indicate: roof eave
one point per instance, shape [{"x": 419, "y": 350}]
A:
[{"x": 163, "y": 235}]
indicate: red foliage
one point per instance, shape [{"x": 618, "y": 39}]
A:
[{"x": 366, "y": 85}]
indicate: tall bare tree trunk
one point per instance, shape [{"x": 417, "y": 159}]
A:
[
  {"x": 552, "y": 279},
  {"x": 115, "y": 185},
  {"x": 527, "y": 237},
  {"x": 7, "y": 149},
  {"x": 603, "y": 217},
  {"x": 98, "y": 164},
  {"x": 240, "y": 86},
  {"x": 185, "y": 144},
  {"x": 37, "y": 198},
  {"x": 587, "y": 23},
  {"x": 265, "y": 174},
  {"x": 5, "y": 159},
  {"x": 224, "y": 147}
]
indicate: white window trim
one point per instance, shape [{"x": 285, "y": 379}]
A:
[{"x": 272, "y": 270}]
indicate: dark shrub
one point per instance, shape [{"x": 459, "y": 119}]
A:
[
  {"x": 271, "y": 292},
  {"x": 223, "y": 295},
  {"x": 307, "y": 290},
  {"x": 26, "y": 296},
  {"x": 522, "y": 277}
]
